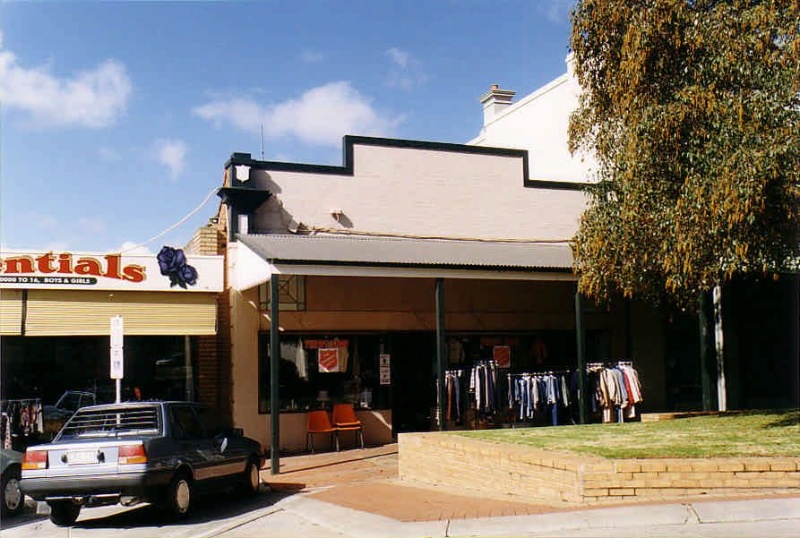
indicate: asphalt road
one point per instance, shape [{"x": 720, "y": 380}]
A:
[{"x": 213, "y": 515}]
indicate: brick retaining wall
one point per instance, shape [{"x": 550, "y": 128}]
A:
[{"x": 461, "y": 463}]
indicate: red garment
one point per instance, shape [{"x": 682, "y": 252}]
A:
[{"x": 628, "y": 387}]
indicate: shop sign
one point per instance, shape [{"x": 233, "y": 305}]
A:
[
  {"x": 502, "y": 355},
  {"x": 328, "y": 359},
  {"x": 117, "y": 367},
  {"x": 169, "y": 270},
  {"x": 385, "y": 369},
  {"x": 317, "y": 344}
]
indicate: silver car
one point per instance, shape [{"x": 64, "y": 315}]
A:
[{"x": 157, "y": 452}]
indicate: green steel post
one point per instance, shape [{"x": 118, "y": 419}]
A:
[
  {"x": 581, "y": 341},
  {"x": 274, "y": 362},
  {"x": 440, "y": 353}
]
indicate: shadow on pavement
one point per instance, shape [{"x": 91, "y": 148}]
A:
[
  {"x": 287, "y": 487},
  {"x": 334, "y": 463},
  {"x": 28, "y": 515},
  {"x": 207, "y": 508}
]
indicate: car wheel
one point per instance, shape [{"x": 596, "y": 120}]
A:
[
  {"x": 179, "y": 496},
  {"x": 13, "y": 500},
  {"x": 64, "y": 513},
  {"x": 251, "y": 479}
]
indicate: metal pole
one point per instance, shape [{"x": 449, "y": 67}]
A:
[
  {"x": 188, "y": 378},
  {"x": 274, "y": 362},
  {"x": 440, "y": 353},
  {"x": 581, "y": 341}
]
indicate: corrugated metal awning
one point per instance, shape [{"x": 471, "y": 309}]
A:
[{"x": 279, "y": 249}]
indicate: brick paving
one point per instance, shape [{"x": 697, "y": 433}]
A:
[{"x": 367, "y": 480}]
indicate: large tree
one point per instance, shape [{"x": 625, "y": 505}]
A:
[{"x": 692, "y": 110}]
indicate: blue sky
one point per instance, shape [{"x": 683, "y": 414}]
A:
[{"x": 117, "y": 117}]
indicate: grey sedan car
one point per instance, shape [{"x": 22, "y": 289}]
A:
[{"x": 157, "y": 452}]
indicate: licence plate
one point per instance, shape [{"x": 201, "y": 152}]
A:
[{"x": 81, "y": 457}]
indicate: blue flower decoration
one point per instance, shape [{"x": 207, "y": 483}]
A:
[{"x": 172, "y": 262}]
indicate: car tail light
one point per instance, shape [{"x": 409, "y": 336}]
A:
[
  {"x": 34, "y": 459},
  {"x": 129, "y": 454}
]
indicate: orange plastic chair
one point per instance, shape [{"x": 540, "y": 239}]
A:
[
  {"x": 344, "y": 419},
  {"x": 318, "y": 422}
]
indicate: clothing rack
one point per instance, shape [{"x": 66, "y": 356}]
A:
[
  {"x": 615, "y": 389},
  {"x": 545, "y": 372},
  {"x": 541, "y": 397},
  {"x": 483, "y": 386},
  {"x": 20, "y": 419},
  {"x": 25, "y": 401},
  {"x": 608, "y": 364}
]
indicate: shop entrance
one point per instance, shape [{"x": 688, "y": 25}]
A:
[{"x": 413, "y": 366}]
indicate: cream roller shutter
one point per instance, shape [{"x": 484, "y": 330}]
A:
[
  {"x": 67, "y": 312},
  {"x": 10, "y": 312}
]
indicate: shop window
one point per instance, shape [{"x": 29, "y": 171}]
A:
[
  {"x": 292, "y": 294},
  {"x": 315, "y": 372}
]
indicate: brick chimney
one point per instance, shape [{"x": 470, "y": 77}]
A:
[{"x": 495, "y": 101}]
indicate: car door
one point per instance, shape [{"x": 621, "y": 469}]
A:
[
  {"x": 192, "y": 443},
  {"x": 230, "y": 456}
]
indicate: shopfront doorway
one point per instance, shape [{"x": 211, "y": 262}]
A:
[{"x": 413, "y": 366}]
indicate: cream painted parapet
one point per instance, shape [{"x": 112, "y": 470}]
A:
[
  {"x": 246, "y": 269},
  {"x": 244, "y": 362},
  {"x": 402, "y": 189}
]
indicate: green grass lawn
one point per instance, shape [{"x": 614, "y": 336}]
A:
[{"x": 752, "y": 433}]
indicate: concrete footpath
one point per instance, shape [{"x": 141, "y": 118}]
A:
[{"x": 300, "y": 516}]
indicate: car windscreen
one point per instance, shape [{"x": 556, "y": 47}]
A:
[{"x": 110, "y": 422}]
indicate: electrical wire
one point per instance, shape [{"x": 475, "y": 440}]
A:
[{"x": 184, "y": 219}]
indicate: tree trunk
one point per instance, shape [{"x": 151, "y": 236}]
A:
[
  {"x": 705, "y": 376},
  {"x": 722, "y": 394}
]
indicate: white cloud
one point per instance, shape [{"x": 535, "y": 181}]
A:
[
  {"x": 320, "y": 116},
  {"x": 556, "y": 10},
  {"x": 241, "y": 112},
  {"x": 172, "y": 153},
  {"x": 312, "y": 56},
  {"x": 90, "y": 98},
  {"x": 129, "y": 247},
  {"x": 399, "y": 57},
  {"x": 405, "y": 71}
]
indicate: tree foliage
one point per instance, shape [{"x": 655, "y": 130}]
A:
[{"x": 692, "y": 109}]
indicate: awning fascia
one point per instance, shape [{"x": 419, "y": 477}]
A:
[
  {"x": 418, "y": 272},
  {"x": 247, "y": 269}
]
